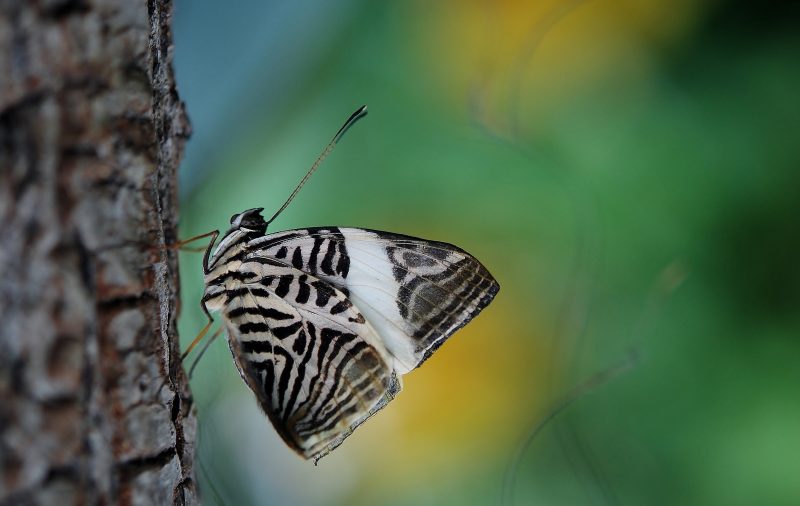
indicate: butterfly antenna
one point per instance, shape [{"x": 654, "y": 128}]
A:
[{"x": 360, "y": 113}]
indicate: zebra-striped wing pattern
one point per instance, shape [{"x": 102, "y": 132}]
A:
[
  {"x": 315, "y": 364},
  {"x": 323, "y": 321},
  {"x": 415, "y": 292}
]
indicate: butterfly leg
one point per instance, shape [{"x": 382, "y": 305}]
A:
[
  {"x": 197, "y": 339},
  {"x": 181, "y": 245},
  {"x": 203, "y": 350},
  {"x": 194, "y": 343}
]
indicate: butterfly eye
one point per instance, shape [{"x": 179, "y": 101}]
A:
[{"x": 233, "y": 218}]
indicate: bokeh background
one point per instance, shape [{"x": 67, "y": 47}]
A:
[{"x": 629, "y": 170}]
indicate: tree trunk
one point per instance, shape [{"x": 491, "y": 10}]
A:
[{"x": 94, "y": 408}]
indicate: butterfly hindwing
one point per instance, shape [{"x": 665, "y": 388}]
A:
[{"x": 315, "y": 364}]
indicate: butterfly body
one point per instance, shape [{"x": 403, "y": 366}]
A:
[{"x": 322, "y": 322}]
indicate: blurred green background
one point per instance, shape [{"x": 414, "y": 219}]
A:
[{"x": 628, "y": 170}]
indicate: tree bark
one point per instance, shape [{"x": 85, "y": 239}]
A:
[{"x": 95, "y": 408}]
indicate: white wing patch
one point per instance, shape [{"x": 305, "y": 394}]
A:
[{"x": 374, "y": 290}]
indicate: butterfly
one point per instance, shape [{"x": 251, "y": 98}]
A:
[{"x": 322, "y": 322}]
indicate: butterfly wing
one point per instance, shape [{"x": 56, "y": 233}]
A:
[
  {"x": 415, "y": 293},
  {"x": 322, "y": 321},
  {"x": 316, "y": 365}
]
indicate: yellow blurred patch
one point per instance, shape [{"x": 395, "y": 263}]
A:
[
  {"x": 472, "y": 398},
  {"x": 514, "y": 60}
]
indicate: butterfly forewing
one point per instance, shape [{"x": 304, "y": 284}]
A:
[
  {"x": 322, "y": 321},
  {"x": 415, "y": 292}
]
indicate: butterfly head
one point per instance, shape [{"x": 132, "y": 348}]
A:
[{"x": 249, "y": 221}]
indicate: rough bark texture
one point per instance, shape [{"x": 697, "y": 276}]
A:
[{"x": 94, "y": 406}]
